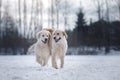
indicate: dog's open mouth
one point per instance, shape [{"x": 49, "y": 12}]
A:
[
  {"x": 44, "y": 41},
  {"x": 56, "y": 40}
]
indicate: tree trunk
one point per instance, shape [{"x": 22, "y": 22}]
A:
[
  {"x": 107, "y": 11},
  {"x": 0, "y": 18},
  {"x": 25, "y": 18},
  {"x": 41, "y": 14},
  {"x": 19, "y": 11},
  {"x": 52, "y": 12},
  {"x": 57, "y": 3},
  {"x": 65, "y": 14}
]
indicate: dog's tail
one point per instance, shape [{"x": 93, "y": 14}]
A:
[{"x": 31, "y": 50}]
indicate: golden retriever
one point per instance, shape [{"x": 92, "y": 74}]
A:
[
  {"x": 59, "y": 47},
  {"x": 42, "y": 48}
]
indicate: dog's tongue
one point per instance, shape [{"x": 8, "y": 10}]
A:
[
  {"x": 57, "y": 39},
  {"x": 44, "y": 42}
]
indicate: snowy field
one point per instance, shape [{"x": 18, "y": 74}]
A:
[{"x": 76, "y": 68}]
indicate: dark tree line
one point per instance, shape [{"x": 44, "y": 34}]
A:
[
  {"x": 97, "y": 34},
  {"x": 11, "y": 42}
]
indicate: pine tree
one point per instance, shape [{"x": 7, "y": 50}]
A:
[{"x": 80, "y": 27}]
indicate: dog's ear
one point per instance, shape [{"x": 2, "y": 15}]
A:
[
  {"x": 65, "y": 34},
  {"x": 50, "y": 30},
  {"x": 38, "y": 35}
]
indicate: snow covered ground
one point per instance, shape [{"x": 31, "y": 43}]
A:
[{"x": 76, "y": 68}]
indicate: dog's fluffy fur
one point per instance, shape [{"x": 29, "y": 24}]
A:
[
  {"x": 59, "y": 47},
  {"x": 56, "y": 46},
  {"x": 42, "y": 48}
]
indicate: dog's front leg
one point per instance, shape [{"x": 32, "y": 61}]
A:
[
  {"x": 39, "y": 60},
  {"x": 46, "y": 61},
  {"x": 62, "y": 61},
  {"x": 54, "y": 64}
]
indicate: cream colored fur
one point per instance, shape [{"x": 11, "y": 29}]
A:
[
  {"x": 57, "y": 50},
  {"x": 59, "y": 47},
  {"x": 42, "y": 49}
]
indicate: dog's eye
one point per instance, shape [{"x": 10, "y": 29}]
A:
[
  {"x": 42, "y": 35},
  {"x": 57, "y": 33}
]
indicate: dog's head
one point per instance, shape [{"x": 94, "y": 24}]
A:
[
  {"x": 58, "y": 35},
  {"x": 43, "y": 36}
]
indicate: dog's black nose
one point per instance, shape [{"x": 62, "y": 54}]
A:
[
  {"x": 45, "y": 39},
  {"x": 54, "y": 37}
]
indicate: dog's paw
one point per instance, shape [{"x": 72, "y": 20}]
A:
[{"x": 55, "y": 67}]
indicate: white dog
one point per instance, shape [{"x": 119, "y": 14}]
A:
[
  {"x": 59, "y": 47},
  {"x": 42, "y": 48}
]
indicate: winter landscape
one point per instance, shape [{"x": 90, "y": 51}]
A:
[
  {"x": 93, "y": 29},
  {"x": 76, "y": 68}
]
